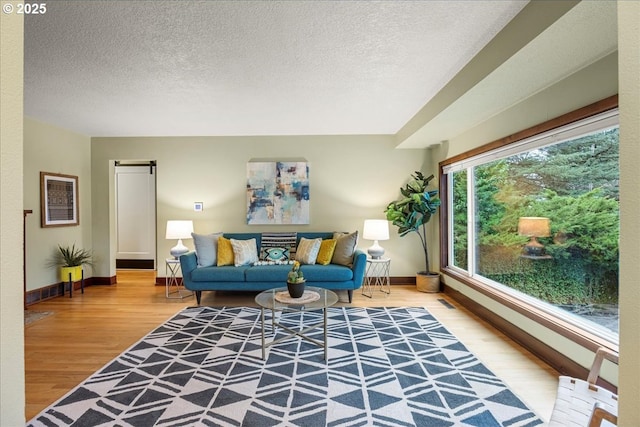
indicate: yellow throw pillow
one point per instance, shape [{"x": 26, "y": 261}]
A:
[
  {"x": 326, "y": 251},
  {"x": 225, "y": 252}
]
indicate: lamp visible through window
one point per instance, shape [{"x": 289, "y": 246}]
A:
[
  {"x": 179, "y": 229},
  {"x": 534, "y": 227},
  {"x": 376, "y": 229}
]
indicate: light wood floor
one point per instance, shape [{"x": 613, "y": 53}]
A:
[{"x": 86, "y": 332}]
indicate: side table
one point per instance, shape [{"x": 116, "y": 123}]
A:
[
  {"x": 377, "y": 274},
  {"x": 172, "y": 266}
]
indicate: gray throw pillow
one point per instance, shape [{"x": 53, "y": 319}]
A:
[
  {"x": 345, "y": 247},
  {"x": 206, "y": 248}
]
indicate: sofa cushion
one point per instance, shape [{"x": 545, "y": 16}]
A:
[
  {"x": 326, "y": 273},
  {"x": 277, "y": 246},
  {"x": 245, "y": 252},
  {"x": 327, "y": 247},
  {"x": 274, "y": 254},
  {"x": 307, "y": 250},
  {"x": 345, "y": 247},
  {"x": 268, "y": 273},
  {"x": 313, "y": 273},
  {"x": 225, "y": 252},
  {"x": 228, "y": 273},
  {"x": 206, "y": 248}
]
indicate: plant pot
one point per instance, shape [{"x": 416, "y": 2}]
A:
[
  {"x": 428, "y": 282},
  {"x": 76, "y": 273},
  {"x": 295, "y": 289}
]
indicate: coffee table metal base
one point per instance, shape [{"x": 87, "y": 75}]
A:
[
  {"x": 302, "y": 333},
  {"x": 268, "y": 300}
]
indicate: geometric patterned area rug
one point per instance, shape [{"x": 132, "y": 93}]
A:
[{"x": 204, "y": 367}]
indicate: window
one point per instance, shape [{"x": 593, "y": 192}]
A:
[{"x": 538, "y": 220}]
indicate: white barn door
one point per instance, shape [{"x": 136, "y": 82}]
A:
[{"x": 135, "y": 188}]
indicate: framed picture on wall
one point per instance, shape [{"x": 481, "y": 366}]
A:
[
  {"x": 58, "y": 200},
  {"x": 278, "y": 192}
]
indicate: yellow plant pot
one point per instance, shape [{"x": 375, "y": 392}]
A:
[{"x": 76, "y": 273}]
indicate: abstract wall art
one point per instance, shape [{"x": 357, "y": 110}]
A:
[{"x": 277, "y": 193}]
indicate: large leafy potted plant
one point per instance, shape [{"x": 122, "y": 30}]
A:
[
  {"x": 410, "y": 214},
  {"x": 70, "y": 260}
]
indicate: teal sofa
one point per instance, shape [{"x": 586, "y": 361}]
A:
[{"x": 263, "y": 277}]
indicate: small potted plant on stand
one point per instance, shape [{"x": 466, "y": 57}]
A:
[
  {"x": 70, "y": 261},
  {"x": 411, "y": 214},
  {"x": 295, "y": 281}
]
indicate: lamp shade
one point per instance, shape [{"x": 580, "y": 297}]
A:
[
  {"x": 376, "y": 229},
  {"x": 534, "y": 226},
  {"x": 179, "y": 229}
]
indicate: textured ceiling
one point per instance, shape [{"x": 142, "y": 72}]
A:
[
  {"x": 424, "y": 71},
  {"x": 125, "y": 68}
]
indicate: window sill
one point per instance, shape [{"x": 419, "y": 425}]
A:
[{"x": 571, "y": 332}]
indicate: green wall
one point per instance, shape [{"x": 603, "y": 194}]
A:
[
  {"x": 352, "y": 178},
  {"x": 51, "y": 149}
]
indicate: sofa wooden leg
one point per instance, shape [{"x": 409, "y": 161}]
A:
[
  {"x": 198, "y": 296},
  {"x": 350, "y": 293}
]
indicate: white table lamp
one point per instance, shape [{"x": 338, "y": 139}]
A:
[
  {"x": 376, "y": 229},
  {"x": 179, "y": 229}
]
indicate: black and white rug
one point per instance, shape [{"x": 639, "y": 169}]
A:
[{"x": 203, "y": 367}]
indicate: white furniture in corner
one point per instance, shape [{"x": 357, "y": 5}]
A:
[
  {"x": 172, "y": 281},
  {"x": 377, "y": 275}
]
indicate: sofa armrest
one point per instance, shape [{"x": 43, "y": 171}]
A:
[
  {"x": 359, "y": 265},
  {"x": 188, "y": 263}
]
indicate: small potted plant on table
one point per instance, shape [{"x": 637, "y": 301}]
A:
[{"x": 295, "y": 281}]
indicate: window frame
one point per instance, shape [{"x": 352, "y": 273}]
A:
[{"x": 555, "y": 323}]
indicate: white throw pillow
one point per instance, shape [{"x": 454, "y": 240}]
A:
[
  {"x": 307, "y": 251},
  {"x": 245, "y": 252}
]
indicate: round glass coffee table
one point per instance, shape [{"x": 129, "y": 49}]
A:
[{"x": 278, "y": 299}]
